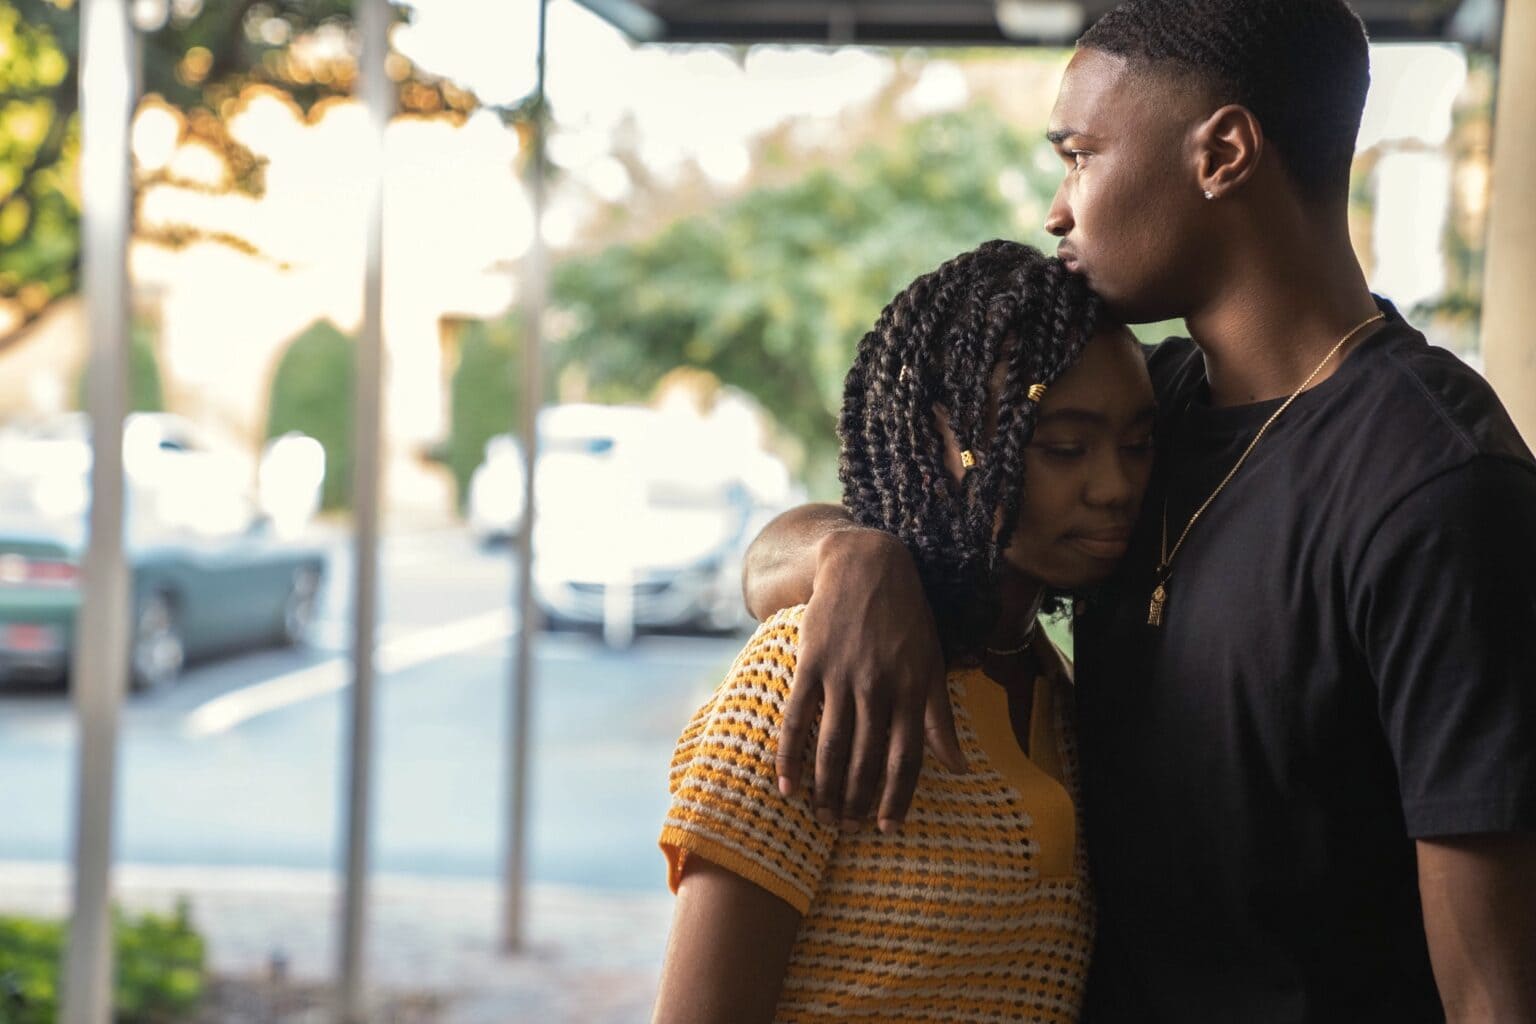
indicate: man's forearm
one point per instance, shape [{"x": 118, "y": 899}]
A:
[
  {"x": 780, "y": 567},
  {"x": 1479, "y": 897}
]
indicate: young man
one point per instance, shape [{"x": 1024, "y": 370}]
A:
[{"x": 1308, "y": 698}]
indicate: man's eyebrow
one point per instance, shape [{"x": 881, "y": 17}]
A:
[{"x": 1057, "y": 136}]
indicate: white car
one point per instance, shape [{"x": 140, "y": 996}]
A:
[
  {"x": 495, "y": 505},
  {"x": 643, "y": 518},
  {"x": 190, "y": 478}
]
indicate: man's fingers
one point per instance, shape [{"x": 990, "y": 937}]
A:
[
  {"x": 837, "y": 724},
  {"x": 939, "y": 729},
  {"x": 795, "y": 732},
  {"x": 866, "y": 759},
  {"x": 903, "y": 765}
]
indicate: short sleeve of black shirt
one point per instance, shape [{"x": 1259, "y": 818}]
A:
[{"x": 1444, "y": 605}]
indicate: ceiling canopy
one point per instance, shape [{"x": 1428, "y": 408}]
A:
[{"x": 976, "y": 22}]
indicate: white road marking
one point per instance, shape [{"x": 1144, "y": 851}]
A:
[{"x": 232, "y": 709}]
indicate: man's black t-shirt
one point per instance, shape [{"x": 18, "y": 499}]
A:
[{"x": 1347, "y": 661}]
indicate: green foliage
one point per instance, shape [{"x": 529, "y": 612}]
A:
[
  {"x": 312, "y": 393},
  {"x": 199, "y": 61},
  {"x": 772, "y": 292},
  {"x": 39, "y": 141},
  {"x": 159, "y": 968},
  {"x": 486, "y": 396},
  {"x": 145, "y": 391}
]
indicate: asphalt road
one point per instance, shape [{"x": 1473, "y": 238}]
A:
[{"x": 241, "y": 764}]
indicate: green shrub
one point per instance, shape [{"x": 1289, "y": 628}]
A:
[
  {"x": 145, "y": 393},
  {"x": 312, "y": 393},
  {"x": 159, "y": 968},
  {"x": 485, "y": 394}
]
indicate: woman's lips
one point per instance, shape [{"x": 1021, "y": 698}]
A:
[{"x": 1107, "y": 546}]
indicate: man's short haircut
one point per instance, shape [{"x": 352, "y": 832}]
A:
[{"x": 1301, "y": 66}]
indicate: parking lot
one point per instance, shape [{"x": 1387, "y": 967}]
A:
[{"x": 239, "y": 763}]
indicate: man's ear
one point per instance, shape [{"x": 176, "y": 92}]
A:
[{"x": 1228, "y": 147}]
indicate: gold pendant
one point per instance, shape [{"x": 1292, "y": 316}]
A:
[{"x": 1155, "y": 613}]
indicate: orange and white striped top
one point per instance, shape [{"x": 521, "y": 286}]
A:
[{"x": 978, "y": 909}]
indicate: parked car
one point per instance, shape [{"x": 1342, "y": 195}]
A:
[
  {"x": 209, "y": 574},
  {"x": 643, "y": 520},
  {"x": 495, "y": 505}
]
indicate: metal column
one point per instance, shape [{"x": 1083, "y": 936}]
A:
[
  {"x": 1509, "y": 302},
  {"x": 535, "y": 299},
  {"x": 101, "y": 636},
  {"x": 373, "y": 19}
]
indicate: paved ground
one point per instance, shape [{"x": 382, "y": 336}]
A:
[
  {"x": 230, "y": 793},
  {"x": 591, "y": 957}
]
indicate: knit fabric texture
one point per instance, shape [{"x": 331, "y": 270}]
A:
[{"x": 977, "y": 909}]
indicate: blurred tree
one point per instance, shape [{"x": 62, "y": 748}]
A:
[
  {"x": 485, "y": 394},
  {"x": 312, "y": 394},
  {"x": 145, "y": 391},
  {"x": 198, "y": 56},
  {"x": 772, "y": 291}
]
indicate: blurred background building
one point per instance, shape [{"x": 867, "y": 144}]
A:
[{"x": 728, "y": 203}]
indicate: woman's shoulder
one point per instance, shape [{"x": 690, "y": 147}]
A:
[{"x": 772, "y": 651}]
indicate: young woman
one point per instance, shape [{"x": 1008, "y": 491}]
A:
[{"x": 1006, "y": 440}]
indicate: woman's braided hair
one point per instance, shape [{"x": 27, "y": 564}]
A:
[{"x": 937, "y": 345}]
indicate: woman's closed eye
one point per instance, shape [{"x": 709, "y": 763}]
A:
[
  {"x": 1062, "y": 449},
  {"x": 1140, "y": 446}
]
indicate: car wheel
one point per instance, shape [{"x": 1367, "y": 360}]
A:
[
  {"x": 299, "y": 607},
  {"x": 158, "y": 650}
]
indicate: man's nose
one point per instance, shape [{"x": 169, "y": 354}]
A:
[{"x": 1058, "y": 220}]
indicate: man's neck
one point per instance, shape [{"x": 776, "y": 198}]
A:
[{"x": 1279, "y": 309}]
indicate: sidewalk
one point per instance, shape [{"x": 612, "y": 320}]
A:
[{"x": 593, "y": 957}]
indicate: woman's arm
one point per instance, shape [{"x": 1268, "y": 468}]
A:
[
  {"x": 728, "y": 951},
  {"x": 870, "y": 662}
]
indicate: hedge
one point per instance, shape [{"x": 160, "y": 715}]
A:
[
  {"x": 485, "y": 394},
  {"x": 160, "y": 959},
  {"x": 312, "y": 392}
]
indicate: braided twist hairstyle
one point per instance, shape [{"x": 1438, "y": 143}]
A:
[
  {"x": 1301, "y": 66},
  {"x": 932, "y": 352}
]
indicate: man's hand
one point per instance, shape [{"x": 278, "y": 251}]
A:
[
  {"x": 870, "y": 659},
  {"x": 1479, "y": 895}
]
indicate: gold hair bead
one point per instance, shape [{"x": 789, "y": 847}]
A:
[
  {"x": 906, "y": 373},
  {"x": 1036, "y": 392},
  {"x": 967, "y": 459}
]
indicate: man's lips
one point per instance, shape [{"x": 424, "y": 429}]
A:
[{"x": 1073, "y": 262}]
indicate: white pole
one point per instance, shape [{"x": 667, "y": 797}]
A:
[
  {"x": 515, "y": 869},
  {"x": 101, "y": 630},
  {"x": 373, "y": 19},
  {"x": 1509, "y": 302}
]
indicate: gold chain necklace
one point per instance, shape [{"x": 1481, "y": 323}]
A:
[
  {"x": 1029, "y": 641},
  {"x": 1165, "y": 565}
]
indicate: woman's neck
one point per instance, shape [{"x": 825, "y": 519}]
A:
[{"x": 1019, "y": 600}]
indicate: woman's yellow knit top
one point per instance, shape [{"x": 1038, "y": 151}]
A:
[{"x": 977, "y": 909}]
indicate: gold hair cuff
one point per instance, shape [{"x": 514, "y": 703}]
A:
[
  {"x": 967, "y": 459},
  {"x": 1036, "y": 392}
]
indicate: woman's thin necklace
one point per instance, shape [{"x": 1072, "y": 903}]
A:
[
  {"x": 1029, "y": 640},
  {"x": 1165, "y": 564}
]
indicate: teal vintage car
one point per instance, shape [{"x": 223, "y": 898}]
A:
[
  {"x": 210, "y": 572},
  {"x": 193, "y": 596}
]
